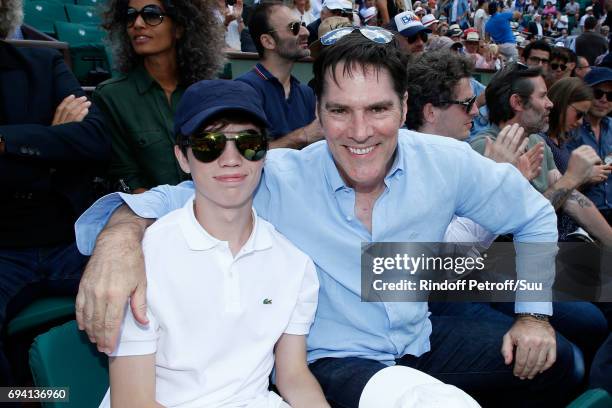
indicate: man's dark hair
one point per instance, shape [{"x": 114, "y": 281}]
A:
[
  {"x": 536, "y": 45},
  {"x": 514, "y": 79},
  {"x": 492, "y": 8},
  {"x": 356, "y": 52},
  {"x": 590, "y": 23},
  {"x": 558, "y": 53},
  {"x": 432, "y": 78},
  {"x": 259, "y": 23},
  {"x": 480, "y": 3}
]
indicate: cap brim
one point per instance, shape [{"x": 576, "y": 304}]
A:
[
  {"x": 599, "y": 81},
  {"x": 409, "y": 32},
  {"x": 195, "y": 122}
]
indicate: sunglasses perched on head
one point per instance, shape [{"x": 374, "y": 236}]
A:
[
  {"x": 209, "y": 146},
  {"x": 421, "y": 34},
  {"x": 555, "y": 66},
  {"x": 372, "y": 33},
  {"x": 598, "y": 93},
  {"x": 151, "y": 14},
  {"x": 294, "y": 27},
  {"x": 467, "y": 104}
]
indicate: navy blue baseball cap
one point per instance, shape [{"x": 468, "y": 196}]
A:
[
  {"x": 597, "y": 75},
  {"x": 206, "y": 99}
]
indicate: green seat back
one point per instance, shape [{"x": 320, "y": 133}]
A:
[
  {"x": 91, "y": 2},
  {"x": 64, "y": 357},
  {"x": 43, "y": 14},
  {"x": 40, "y": 312},
  {"x": 83, "y": 14},
  {"x": 86, "y": 48},
  {"x": 597, "y": 398},
  {"x": 79, "y": 34}
]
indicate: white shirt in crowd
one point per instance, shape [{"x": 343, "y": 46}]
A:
[
  {"x": 215, "y": 318},
  {"x": 305, "y": 18}
]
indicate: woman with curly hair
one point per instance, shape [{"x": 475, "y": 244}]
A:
[{"x": 160, "y": 47}]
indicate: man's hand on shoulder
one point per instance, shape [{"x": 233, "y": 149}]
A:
[{"x": 536, "y": 346}]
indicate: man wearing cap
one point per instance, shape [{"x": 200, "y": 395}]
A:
[
  {"x": 472, "y": 43},
  {"x": 596, "y": 131},
  {"x": 338, "y": 8},
  {"x": 281, "y": 40},
  {"x": 411, "y": 28},
  {"x": 591, "y": 44},
  {"x": 455, "y": 33},
  {"x": 498, "y": 28},
  {"x": 431, "y": 22},
  {"x": 588, "y": 13}
]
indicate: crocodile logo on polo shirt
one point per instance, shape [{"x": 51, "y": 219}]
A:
[{"x": 267, "y": 301}]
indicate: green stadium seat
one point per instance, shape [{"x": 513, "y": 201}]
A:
[
  {"x": 40, "y": 312},
  {"x": 597, "y": 398},
  {"x": 87, "y": 51},
  {"x": 83, "y": 14},
  {"x": 43, "y": 14},
  {"x": 91, "y": 2},
  {"x": 64, "y": 357}
]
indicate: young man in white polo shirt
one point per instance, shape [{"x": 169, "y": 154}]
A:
[{"x": 228, "y": 296}]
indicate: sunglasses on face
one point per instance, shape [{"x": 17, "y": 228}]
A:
[
  {"x": 598, "y": 93},
  {"x": 294, "y": 27},
  {"x": 151, "y": 14},
  {"x": 467, "y": 104},
  {"x": 209, "y": 146},
  {"x": 376, "y": 34},
  {"x": 555, "y": 67},
  {"x": 422, "y": 35},
  {"x": 579, "y": 114}
]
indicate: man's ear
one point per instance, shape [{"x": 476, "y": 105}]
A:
[
  {"x": 430, "y": 113},
  {"x": 267, "y": 41},
  {"x": 182, "y": 160},
  {"x": 516, "y": 103}
]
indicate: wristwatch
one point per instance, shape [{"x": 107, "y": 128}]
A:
[{"x": 537, "y": 316}]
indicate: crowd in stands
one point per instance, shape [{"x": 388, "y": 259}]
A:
[{"x": 264, "y": 189}]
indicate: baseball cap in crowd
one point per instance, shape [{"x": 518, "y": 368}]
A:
[
  {"x": 443, "y": 18},
  {"x": 331, "y": 23},
  {"x": 405, "y": 387},
  {"x": 589, "y": 8},
  {"x": 408, "y": 24},
  {"x": 429, "y": 19},
  {"x": 597, "y": 75},
  {"x": 472, "y": 36},
  {"x": 437, "y": 43},
  {"x": 416, "y": 4},
  {"x": 338, "y": 5},
  {"x": 454, "y": 31},
  {"x": 205, "y": 99},
  {"x": 368, "y": 13}
]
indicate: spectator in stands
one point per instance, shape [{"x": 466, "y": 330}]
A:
[
  {"x": 572, "y": 9},
  {"x": 518, "y": 95},
  {"x": 558, "y": 66},
  {"x": 160, "y": 48},
  {"x": 582, "y": 67},
  {"x": 472, "y": 44},
  {"x": 301, "y": 11},
  {"x": 498, "y": 28},
  {"x": 588, "y": 13},
  {"x": 231, "y": 18},
  {"x": 53, "y": 143},
  {"x": 458, "y": 13},
  {"x": 535, "y": 26},
  {"x": 220, "y": 128},
  {"x": 281, "y": 40},
  {"x": 388, "y": 9},
  {"x": 411, "y": 28},
  {"x": 338, "y": 8},
  {"x": 537, "y": 54},
  {"x": 590, "y": 44},
  {"x": 596, "y": 131},
  {"x": 549, "y": 9},
  {"x": 361, "y": 87},
  {"x": 480, "y": 17},
  {"x": 431, "y": 22}
]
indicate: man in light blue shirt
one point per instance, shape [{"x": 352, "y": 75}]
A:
[{"x": 364, "y": 184}]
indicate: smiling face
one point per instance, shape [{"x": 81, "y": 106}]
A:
[
  {"x": 227, "y": 182},
  {"x": 360, "y": 115},
  {"x": 288, "y": 46},
  {"x": 152, "y": 40}
]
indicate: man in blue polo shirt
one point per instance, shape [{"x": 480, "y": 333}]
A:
[
  {"x": 281, "y": 40},
  {"x": 498, "y": 28}
]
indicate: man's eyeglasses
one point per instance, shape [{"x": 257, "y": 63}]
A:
[
  {"x": 151, "y": 14},
  {"x": 467, "y": 104},
  {"x": 372, "y": 33},
  {"x": 294, "y": 27},
  {"x": 208, "y": 146},
  {"x": 562, "y": 67},
  {"x": 421, "y": 34},
  {"x": 538, "y": 61},
  {"x": 579, "y": 114},
  {"x": 598, "y": 93}
]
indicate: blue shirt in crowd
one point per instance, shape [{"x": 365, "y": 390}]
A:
[
  {"x": 305, "y": 198},
  {"x": 499, "y": 28},
  {"x": 284, "y": 114},
  {"x": 601, "y": 193}
]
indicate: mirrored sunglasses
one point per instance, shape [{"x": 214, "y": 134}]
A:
[
  {"x": 209, "y": 146},
  {"x": 376, "y": 34}
]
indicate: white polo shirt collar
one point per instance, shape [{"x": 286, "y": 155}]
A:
[{"x": 198, "y": 239}]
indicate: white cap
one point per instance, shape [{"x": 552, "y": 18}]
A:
[
  {"x": 408, "y": 24},
  {"x": 419, "y": 9},
  {"x": 404, "y": 387},
  {"x": 429, "y": 19},
  {"x": 368, "y": 13},
  {"x": 590, "y": 8},
  {"x": 472, "y": 36},
  {"x": 338, "y": 5}
]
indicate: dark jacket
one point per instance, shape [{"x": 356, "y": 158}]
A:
[{"x": 40, "y": 160}]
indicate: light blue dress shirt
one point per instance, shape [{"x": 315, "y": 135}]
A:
[{"x": 303, "y": 196}]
